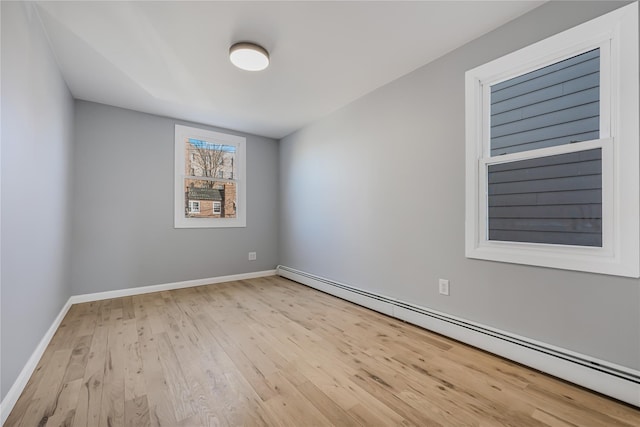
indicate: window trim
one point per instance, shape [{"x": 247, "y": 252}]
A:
[
  {"x": 180, "y": 221},
  {"x": 616, "y": 33}
]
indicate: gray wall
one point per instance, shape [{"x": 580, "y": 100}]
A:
[
  {"x": 373, "y": 196},
  {"x": 37, "y": 114},
  {"x": 123, "y": 233}
]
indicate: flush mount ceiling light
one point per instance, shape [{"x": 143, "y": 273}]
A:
[{"x": 249, "y": 56}]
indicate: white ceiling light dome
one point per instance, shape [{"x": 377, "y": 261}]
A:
[{"x": 249, "y": 56}]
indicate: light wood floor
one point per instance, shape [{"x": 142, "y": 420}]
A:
[{"x": 272, "y": 352}]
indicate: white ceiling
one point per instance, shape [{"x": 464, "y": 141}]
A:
[{"x": 171, "y": 58}]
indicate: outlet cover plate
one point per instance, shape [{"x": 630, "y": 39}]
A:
[{"x": 443, "y": 286}]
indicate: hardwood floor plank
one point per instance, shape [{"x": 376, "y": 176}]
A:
[
  {"x": 45, "y": 398},
  {"x": 337, "y": 385},
  {"x": 136, "y": 412},
  {"x": 112, "y": 403},
  {"x": 572, "y": 411},
  {"x": 66, "y": 404},
  {"x": 186, "y": 344},
  {"x": 159, "y": 398},
  {"x": 134, "y": 384},
  {"x": 372, "y": 416},
  {"x": 270, "y": 352},
  {"x": 24, "y": 402},
  {"x": 327, "y": 407},
  {"x": 128, "y": 309},
  {"x": 90, "y": 395},
  {"x": 292, "y": 407},
  {"x": 549, "y": 419},
  {"x": 79, "y": 356},
  {"x": 89, "y": 318}
]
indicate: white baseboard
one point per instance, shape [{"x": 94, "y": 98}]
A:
[
  {"x": 20, "y": 383},
  {"x": 76, "y": 299},
  {"x": 613, "y": 380}
]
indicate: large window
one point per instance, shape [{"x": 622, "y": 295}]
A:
[
  {"x": 210, "y": 179},
  {"x": 552, "y": 151}
]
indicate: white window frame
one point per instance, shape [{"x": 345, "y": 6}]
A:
[
  {"x": 616, "y": 34},
  {"x": 213, "y": 207},
  {"x": 239, "y": 142},
  {"x": 192, "y": 204}
]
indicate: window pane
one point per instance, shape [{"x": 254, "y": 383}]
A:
[
  {"x": 554, "y": 199},
  {"x": 214, "y": 199},
  {"x": 555, "y": 105},
  {"x": 209, "y": 160}
]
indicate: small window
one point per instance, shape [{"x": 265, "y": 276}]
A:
[
  {"x": 194, "y": 206},
  {"x": 552, "y": 151},
  {"x": 208, "y": 157}
]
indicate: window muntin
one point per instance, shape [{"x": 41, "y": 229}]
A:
[
  {"x": 214, "y": 163},
  {"x": 608, "y": 129}
]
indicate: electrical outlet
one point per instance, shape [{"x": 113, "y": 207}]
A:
[
  {"x": 252, "y": 256},
  {"x": 443, "y": 286}
]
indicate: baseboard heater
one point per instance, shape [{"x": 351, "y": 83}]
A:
[{"x": 604, "y": 377}]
